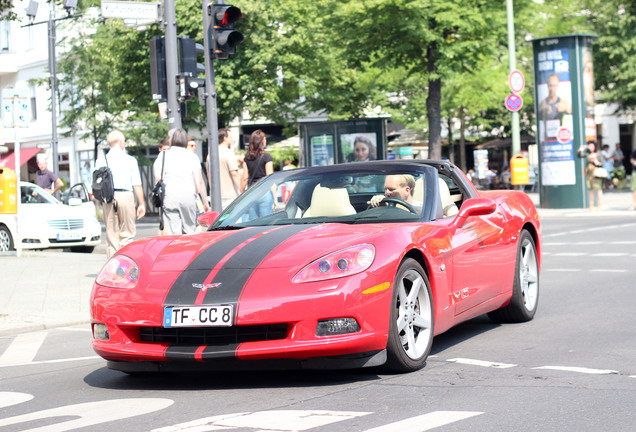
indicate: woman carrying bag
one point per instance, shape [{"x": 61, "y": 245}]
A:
[{"x": 258, "y": 164}]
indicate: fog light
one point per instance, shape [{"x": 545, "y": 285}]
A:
[
  {"x": 336, "y": 326},
  {"x": 95, "y": 238},
  {"x": 100, "y": 331}
]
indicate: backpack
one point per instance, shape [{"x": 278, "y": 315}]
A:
[{"x": 103, "y": 187}]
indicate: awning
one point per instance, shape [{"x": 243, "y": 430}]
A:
[{"x": 8, "y": 160}]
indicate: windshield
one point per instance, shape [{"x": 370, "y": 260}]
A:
[
  {"x": 32, "y": 194},
  {"x": 351, "y": 193}
]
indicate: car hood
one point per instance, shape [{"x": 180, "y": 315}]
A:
[
  {"x": 248, "y": 248},
  {"x": 46, "y": 211}
]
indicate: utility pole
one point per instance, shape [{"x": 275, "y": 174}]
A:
[
  {"x": 53, "y": 84},
  {"x": 212, "y": 122},
  {"x": 172, "y": 61},
  {"x": 512, "y": 60}
]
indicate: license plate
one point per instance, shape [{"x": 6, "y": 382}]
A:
[
  {"x": 68, "y": 236},
  {"x": 198, "y": 316}
]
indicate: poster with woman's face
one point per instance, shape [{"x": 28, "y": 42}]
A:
[{"x": 358, "y": 147}]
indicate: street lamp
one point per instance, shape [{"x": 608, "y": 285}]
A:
[{"x": 70, "y": 6}]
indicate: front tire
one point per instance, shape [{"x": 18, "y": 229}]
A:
[
  {"x": 6, "y": 241},
  {"x": 525, "y": 291},
  {"x": 412, "y": 319}
]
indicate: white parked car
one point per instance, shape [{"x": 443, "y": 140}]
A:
[{"x": 46, "y": 222}]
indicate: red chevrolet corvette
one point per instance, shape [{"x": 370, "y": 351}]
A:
[{"x": 343, "y": 266}]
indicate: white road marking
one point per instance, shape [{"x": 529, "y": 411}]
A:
[
  {"x": 271, "y": 421},
  {"x": 89, "y": 414},
  {"x": 587, "y": 243},
  {"x": 23, "y": 348},
  {"x": 570, "y": 254},
  {"x": 600, "y": 228},
  {"x": 609, "y": 270},
  {"x": 561, "y": 270},
  {"x": 13, "y": 398},
  {"x": 75, "y": 329},
  {"x": 609, "y": 254},
  {"x": 482, "y": 363},
  {"x": 72, "y": 359},
  {"x": 629, "y": 242},
  {"x": 579, "y": 370},
  {"x": 426, "y": 422}
]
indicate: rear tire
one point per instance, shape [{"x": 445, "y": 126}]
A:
[
  {"x": 525, "y": 291},
  {"x": 6, "y": 241},
  {"x": 412, "y": 319}
]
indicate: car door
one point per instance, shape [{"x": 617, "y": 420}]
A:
[{"x": 482, "y": 252}]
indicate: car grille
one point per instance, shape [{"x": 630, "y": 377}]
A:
[
  {"x": 213, "y": 335},
  {"x": 67, "y": 224}
]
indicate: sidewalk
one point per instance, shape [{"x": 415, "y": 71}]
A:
[{"x": 49, "y": 289}]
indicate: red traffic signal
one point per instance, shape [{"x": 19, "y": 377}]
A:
[{"x": 223, "y": 37}]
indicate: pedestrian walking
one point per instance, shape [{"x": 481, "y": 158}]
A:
[
  {"x": 594, "y": 184},
  {"x": 182, "y": 177},
  {"x": 608, "y": 164},
  {"x": 45, "y": 178},
  {"x": 228, "y": 169},
  {"x": 618, "y": 157},
  {"x": 192, "y": 147},
  {"x": 258, "y": 164},
  {"x": 120, "y": 214}
]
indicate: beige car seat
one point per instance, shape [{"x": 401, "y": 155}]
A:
[
  {"x": 448, "y": 205},
  {"x": 329, "y": 202}
]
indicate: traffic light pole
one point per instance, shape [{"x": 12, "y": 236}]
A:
[
  {"x": 172, "y": 61},
  {"x": 212, "y": 120}
]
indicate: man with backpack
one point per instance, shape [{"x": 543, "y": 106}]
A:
[{"x": 119, "y": 210}]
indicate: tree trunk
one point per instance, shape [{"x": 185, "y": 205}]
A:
[
  {"x": 433, "y": 105},
  {"x": 462, "y": 139}
]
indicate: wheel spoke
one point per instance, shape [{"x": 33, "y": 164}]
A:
[
  {"x": 422, "y": 322},
  {"x": 402, "y": 320},
  {"x": 410, "y": 340},
  {"x": 415, "y": 290}
]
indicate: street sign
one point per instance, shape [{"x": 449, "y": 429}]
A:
[
  {"x": 16, "y": 108},
  {"x": 514, "y": 102},
  {"x": 131, "y": 10},
  {"x": 516, "y": 81}
]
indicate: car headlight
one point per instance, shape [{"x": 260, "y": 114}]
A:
[
  {"x": 339, "y": 264},
  {"x": 119, "y": 272}
]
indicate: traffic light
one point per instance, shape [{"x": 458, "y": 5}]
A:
[
  {"x": 190, "y": 87},
  {"x": 158, "y": 82},
  {"x": 223, "y": 37},
  {"x": 188, "y": 50}
]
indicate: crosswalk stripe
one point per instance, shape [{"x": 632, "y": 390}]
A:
[
  {"x": 481, "y": 363},
  {"x": 23, "y": 348},
  {"x": 426, "y": 422},
  {"x": 579, "y": 370}
]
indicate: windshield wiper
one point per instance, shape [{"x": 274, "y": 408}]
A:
[{"x": 227, "y": 228}]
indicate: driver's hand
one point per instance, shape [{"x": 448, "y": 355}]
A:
[{"x": 376, "y": 200}]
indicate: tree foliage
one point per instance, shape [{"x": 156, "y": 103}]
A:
[{"x": 422, "y": 61}]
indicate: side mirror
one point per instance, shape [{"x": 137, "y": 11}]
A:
[
  {"x": 74, "y": 201},
  {"x": 474, "y": 207},
  {"x": 207, "y": 219}
]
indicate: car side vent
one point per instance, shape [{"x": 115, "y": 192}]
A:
[{"x": 213, "y": 336}]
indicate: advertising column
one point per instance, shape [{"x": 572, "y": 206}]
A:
[{"x": 564, "y": 107}]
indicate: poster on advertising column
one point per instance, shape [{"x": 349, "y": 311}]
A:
[{"x": 556, "y": 138}]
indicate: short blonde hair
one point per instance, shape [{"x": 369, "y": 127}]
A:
[{"x": 115, "y": 137}]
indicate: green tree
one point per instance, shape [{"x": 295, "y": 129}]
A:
[{"x": 416, "y": 45}]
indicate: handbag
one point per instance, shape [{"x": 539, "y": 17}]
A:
[
  {"x": 600, "y": 172},
  {"x": 158, "y": 193}
]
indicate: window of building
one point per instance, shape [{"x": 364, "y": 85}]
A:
[
  {"x": 5, "y": 36},
  {"x": 34, "y": 107}
]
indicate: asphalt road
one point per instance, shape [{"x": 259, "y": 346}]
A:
[{"x": 570, "y": 369}]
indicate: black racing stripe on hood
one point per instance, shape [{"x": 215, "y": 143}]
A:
[
  {"x": 177, "y": 353},
  {"x": 237, "y": 270},
  {"x": 182, "y": 292}
]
